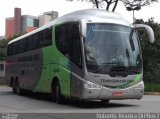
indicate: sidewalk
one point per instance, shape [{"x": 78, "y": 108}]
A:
[
  {"x": 5, "y": 88},
  {"x": 151, "y": 93}
]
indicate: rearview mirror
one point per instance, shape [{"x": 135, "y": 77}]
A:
[
  {"x": 148, "y": 29},
  {"x": 83, "y": 27}
]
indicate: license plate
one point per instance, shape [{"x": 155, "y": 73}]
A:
[{"x": 117, "y": 94}]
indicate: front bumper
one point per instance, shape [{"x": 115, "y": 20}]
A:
[{"x": 133, "y": 92}]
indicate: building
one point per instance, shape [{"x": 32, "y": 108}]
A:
[
  {"x": 53, "y": 14},
  {"x": 46, "y": 17},
  {"x": 13, "y": 24},
  {"x": 43, "y": 19},
  {"x": 9, "y": 27},
  {"x": 20, "y": 24},
  {"x": 29, "y": 23},
  {"x": 17, "y": 21}
]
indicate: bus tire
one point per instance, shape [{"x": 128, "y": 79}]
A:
[
  {"x": 17, "y": 88},
  {"x": 13, "y": 85},
  {"x": 59, "y": 97},
  {"x": 105, "y": 101},
  {"x": 53, "y": 92}
]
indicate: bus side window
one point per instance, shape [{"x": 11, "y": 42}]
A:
[
  {"x": 22, "y": 46},
  {"x": 61, "y": 37},
  {"x": 68, "y": 42},
  {"x": 40, "y": 36},
  {"x": 14, "y": 48},
  {"x": 26, "y": 44},
  {"x": 9, "y": 50},
  {"x": 45, "y": 37},
  {"x": 17, "y": 47},
  {"x": 36, "y": 41},
  {"x": 76, "y": 56},
  {"x": 33, "y": 42},
  {"x": 30, "y": 43}
]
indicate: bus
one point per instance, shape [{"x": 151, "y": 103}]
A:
[{"x": 86, "y": 55}]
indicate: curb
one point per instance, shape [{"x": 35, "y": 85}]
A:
[
  {"x": 151, "y": 93},
  {"x": 1, "y": 85}
]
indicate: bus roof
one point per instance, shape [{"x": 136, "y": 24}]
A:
[
  {"x": 93, "y": 14},
  {"x": 90, "y": 15}
]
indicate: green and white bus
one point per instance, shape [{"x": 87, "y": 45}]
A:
[{"x": 88, "y": 54}]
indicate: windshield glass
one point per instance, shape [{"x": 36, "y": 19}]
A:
[{"x": 111, "y": 48}]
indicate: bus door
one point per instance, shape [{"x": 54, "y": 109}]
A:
[{"x": 75, "y": 59}]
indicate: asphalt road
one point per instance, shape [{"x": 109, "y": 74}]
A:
[{"x": 39, "y": 106}]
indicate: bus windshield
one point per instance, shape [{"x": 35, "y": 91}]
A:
[{"x": 112, "y": 48}]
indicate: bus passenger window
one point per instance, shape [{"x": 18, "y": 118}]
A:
[
  {"x": 62, "y": 39},
  {"x": 9, "y": 50},
  {"x": 33, "y": 42},
  {"x": 48, "y": 36},
  {"x": 45, "y": 37}
]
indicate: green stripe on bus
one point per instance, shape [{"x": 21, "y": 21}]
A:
[{"x": 137, "y": 79}]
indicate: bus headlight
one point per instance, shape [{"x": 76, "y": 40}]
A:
[{"x": 90, "y": 85}]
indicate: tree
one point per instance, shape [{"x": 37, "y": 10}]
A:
[
  {"x": 129, "y": 4},
  {"x": 107, "y": 3},
  {"x": 132, "y": 5},
  {"x": 137, "y": 3},
  {"x": 3, "y": 46},
  {"x": 102, "y": 3},
  {"x": 151, "y": 52}
]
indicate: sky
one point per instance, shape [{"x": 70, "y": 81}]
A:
[{"x": 38, "y": 7}]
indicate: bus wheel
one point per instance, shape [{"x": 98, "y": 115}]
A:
[
  {"x": 53, "y": 92},
  {"x": 105, "y": 101},
  {"x": 59, "y": 97},
  {"x": 13, "y": 84},
  {"x": 17, "y": 88}
]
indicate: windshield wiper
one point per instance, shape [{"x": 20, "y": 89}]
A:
[
  {"x": 110, "y": 63},
  {"x": 100, "y": 69},
  {"x": 118, "y": 71},
  {"x": 118, "y": 68},
  {"x": 115, "y": 63}
]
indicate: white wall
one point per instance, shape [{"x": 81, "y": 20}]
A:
[{"x": 43, "y": 19}]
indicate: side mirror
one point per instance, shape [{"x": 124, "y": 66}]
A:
[
  {"x": 148, "y": 29},
  {"x": 83, "y": 27}
]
